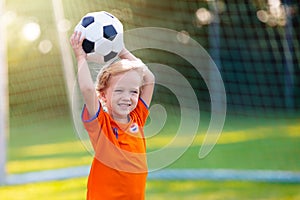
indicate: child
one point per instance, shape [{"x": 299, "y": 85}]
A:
[{"x": 115, "y": 126}]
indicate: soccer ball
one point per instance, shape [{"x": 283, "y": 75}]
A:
[{"x": 103, "y": 34}]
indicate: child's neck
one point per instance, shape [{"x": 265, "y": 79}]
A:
[{"x": 122, "y": 120}]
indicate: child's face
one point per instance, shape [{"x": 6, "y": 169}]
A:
[{"x": 122, "y": 94}]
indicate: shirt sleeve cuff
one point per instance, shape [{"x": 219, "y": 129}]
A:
[
  {"x": 145, "y": 104},
  {"x": 85, "y": 114}
]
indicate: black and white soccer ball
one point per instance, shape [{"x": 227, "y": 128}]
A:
[{"x": 103, "y": 34}]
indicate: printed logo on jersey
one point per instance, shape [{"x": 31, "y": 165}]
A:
[{"x": 134, "y": 128}]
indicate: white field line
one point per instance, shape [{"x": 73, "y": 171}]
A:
[{"x": 165, "y": 174}]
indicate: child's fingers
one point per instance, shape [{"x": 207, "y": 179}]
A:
[
  {"x": 79, "y": 38},
  {"x": 73, "y": 38},
  {"x": 76, "y": 40},
  {"x": 82, "y": 38}
]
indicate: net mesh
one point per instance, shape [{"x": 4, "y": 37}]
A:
[
  {"x": 260, "y": 60},
  {"x": 254, "y": 44},
  {"x": 36, "y": 84}
]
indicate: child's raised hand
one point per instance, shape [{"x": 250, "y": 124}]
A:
[{"x": 76, "y": 42}]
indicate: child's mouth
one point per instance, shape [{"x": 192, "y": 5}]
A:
[{"x": 124, "y": 105}]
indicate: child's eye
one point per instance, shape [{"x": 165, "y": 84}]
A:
[
  {"x": 134, "y": 92},
  {"x": 118, "y": 90}
]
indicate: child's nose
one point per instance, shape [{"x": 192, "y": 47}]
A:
[{"x": 126, "y": 95}]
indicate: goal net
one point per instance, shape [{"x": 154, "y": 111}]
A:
[{"x": 254, "y": 44}]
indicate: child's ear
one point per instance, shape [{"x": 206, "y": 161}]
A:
[{"x": 102, "y": 96}]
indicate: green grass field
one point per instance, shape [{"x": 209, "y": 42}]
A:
[
  {"x": 271, "y": 144},
  {"x": 74, "y": 189}
]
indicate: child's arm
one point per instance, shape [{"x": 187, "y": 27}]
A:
[
  {"x": 149, "y": 79},
  {"x": 85, "y": 81}
]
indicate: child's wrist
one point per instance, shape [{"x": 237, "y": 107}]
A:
[
  {"x": 81, "y": 61},
  {"x": 81, "y": 58}
]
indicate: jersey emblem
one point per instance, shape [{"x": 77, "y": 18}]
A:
[{"x": 134, "y": 128}]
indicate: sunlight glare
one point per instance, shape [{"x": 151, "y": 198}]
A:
[
  {"x": 31, "y": 31},
  {"x": 45, "y": 46}
]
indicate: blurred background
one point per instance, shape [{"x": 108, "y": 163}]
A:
[{"x": 255, "y": 45}]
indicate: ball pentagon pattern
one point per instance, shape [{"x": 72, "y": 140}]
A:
[{"x": 103, "y": 34}]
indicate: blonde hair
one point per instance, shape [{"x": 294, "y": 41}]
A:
[{"x": 115, "y": 68}]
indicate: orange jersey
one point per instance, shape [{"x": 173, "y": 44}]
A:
[{"x": 119, "y": 169}]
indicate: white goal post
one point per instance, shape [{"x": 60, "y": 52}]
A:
[
  {"x": 67, "y": 59},
  {"x": 3, "y": 97}
]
